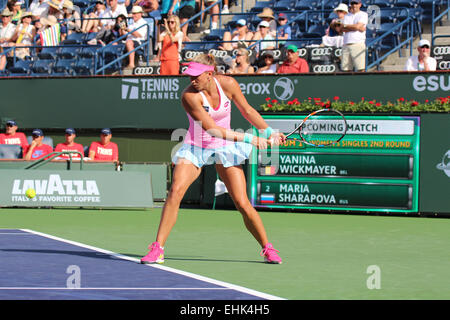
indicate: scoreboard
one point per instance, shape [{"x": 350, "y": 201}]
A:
[{"x": 374, "y": 168}]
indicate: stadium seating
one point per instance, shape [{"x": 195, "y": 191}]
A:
[{"x": 10, "y": 151}]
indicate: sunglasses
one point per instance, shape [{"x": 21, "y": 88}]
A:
[
  {"x": 351, "y": 3},
  {"x": 171, "y": 21},
  {"x": 426, "y": 46}
]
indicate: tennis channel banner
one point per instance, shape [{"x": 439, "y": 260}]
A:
[
  {"x": 75, "y": 189},
  {"x": 375, "y": 167}
]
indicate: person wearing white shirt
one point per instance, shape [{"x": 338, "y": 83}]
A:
[
  {"x": 354, "y": 46},
  {"x": 423, "y": 61},
  {"x": 135, "y": 38},
  {"x": 7, "y": 28},
  {"x": 37, "y": 8},
  {"x": 111, "y": 13}
]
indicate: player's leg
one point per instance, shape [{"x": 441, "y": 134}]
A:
[
  {"x": 185, "y": 173},
  {"x": 234, "y": 180}
]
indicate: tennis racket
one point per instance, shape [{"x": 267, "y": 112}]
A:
[{"x": 321, "y": 128}]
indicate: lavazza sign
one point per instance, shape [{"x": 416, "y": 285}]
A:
[{"x": 54, "y": 189}]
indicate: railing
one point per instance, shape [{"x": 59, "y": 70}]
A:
[
  {"x": 397, "y": 31},
  {"x": 437, "y": 19},
  {"x": 51, "y": 156}
]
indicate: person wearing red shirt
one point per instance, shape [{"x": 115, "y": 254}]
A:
[
  {"x": 37, "y": 150},
  {"x": 104, "y": 149},
  {"x": 11, "y": 136},
  {"x": 69, "y": 145},
  {"x": 293, "y": 63}
]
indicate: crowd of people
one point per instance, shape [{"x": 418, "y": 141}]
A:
[
  {"x": 22, "y": 27},
  {"x": 101, "y": 150}
]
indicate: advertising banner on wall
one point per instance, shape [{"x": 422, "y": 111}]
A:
[{"x": 75, "y": 189}]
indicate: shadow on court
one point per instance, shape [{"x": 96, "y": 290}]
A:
[
  {"x": 95, "y": 255},
  {"x": 196, "y": 259}
]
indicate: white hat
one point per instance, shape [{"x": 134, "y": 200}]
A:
[
  {"x": 424, "y": 42},
  {"x": 342, "y": 7},
  {"x": 263, "y": 24},
  {"x": 241, "y": 22},
  {"x": 137, "y": 9}
]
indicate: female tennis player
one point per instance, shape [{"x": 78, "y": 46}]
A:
[{"x": 207, "y": 101}]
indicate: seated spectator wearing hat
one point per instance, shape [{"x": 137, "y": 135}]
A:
[
  {"x": 54, "y": 9},
  {"x": 240, "y": 36},
  {"x": 423, "y": 61},
  {"x": 293, "y": 63},
  {"x": 334, "y": 36},
  {"x": 7, "y": 28},
  {"x": 37, "y": 150},
  {"x": 137, "y": 36},
  {"x": 104, "y": 149},
  {"x": 284, "y": 31},
  {"x": 11, "y": 136},
  {"x": 72, "y": 18},
  {"x": 241, "y": 63},
  {"x": 69, "y": 145},
  {"x": 267, "y": 15},
  {"x": 16, "y": 10},
  {"x": 264, "y": 37},
  {"x": 24, "y": 35},
  {"x": 267, "y": 61}
]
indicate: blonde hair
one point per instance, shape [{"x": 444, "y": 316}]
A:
[
  {"x": 246, "y": 53},
  {"x": 206, "y": 58},
  {"x": 177, "y": 23}
]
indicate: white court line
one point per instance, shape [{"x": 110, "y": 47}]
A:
[{"x": 184, "y": 273}]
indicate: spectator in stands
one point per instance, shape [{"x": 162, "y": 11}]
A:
[
  {"x": 170, "y": 43},
  {"x": 7, "y": 28},
  {"x": 293, "y": 63},
  {"x": 334, "y": 36},
  {"x": 263, "y": 35},
  {"x": 24, "y": 35},
  {"x": 104, "y": 149},
  {"x": 240, "y": 36},
  {"x": 147, "y": 5},
  {"x": 136, "y": 37},
  {"x": 69, "y": 145},
  {"x": 11, "y": 136},
  {"x": 268, "y": 64},
  {"x": 92, "y": 22},
  {"x": 111, "y": 13},
  {"x": 354, "y": 45},
  {"x": 54, "y": 9},
  {"x": 3, "y": 60},
  {"x": 267, "y": 15},
  {"x": 423, "y": 61},
  {"x": 225, "y": 8},
  {"x": 214, "y": 13},
  {"x": 186, "y": 11},
  {"x": 283, "y": 30},
  {"x": 242, "y": 62},
  {"x": 37, "y": 149},
  {"x": 17, "y": 10},
  {"x": 72, "y": 18},
  {"x": 37, "y": 8}
]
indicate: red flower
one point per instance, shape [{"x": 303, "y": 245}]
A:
[
  {"x": 268, "y": 99},
  {"x": 336, "y": 98},
  {"x": 290, "y": 103},
  {"x": 351, "y": 103},
  {"x": 362, "y": 99},
  {"x": 269, "y": 105},
  {"x": 414, "y": 104},
  {"x": 296, "y": 102},
  {"x": 378, "y": 104},
  {"x": 401, "y": 99},
  {"x": 426, "y": 101},
  {"x": 317, "y": 99},
  {"x": 274, "y": 101},
  {"x": 372, "y": 102}
]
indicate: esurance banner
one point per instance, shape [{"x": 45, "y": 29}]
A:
[{"x": 81, "y": 189}]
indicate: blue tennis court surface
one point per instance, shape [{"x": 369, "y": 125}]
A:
[{"x": 38, "y": 266}]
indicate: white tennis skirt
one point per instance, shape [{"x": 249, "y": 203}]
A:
[{"x": 230, "y": 155}]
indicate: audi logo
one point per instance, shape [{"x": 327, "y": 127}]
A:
[
  {"x": 324, "y": 68},
  {"x": 276, "y": 53},
  {"x": 235, "y": 52},
  {"x": 441, "y": 50},
  {"x": 302, "y": 52},
  {"x": 191, "y": 54},
  {"x": 321, "y": 51},
  {"x": 338, "y": 52},
  {"x": 444, "y": 65},
  {"x": 218, "y": 53},
  {"x": 143, "y": 70}
]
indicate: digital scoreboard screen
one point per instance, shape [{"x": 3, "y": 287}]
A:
[{"x": 374, "y": 168}]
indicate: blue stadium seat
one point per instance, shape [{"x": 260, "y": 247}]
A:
[
  {"x": 89, "y": 52},
  {"x": 384, "y": 3},
  {"x": 389, "y": 15},
  {"x": 283, "y": 5},
  {"x": 64, "y": 67},
  {"x": 304, "y": 5},
  {"x": 332, "y": 4},
  {"x": 42, "y": 67},
  {"x": 10, "y": 151},
  {"x": 20, "y": 68},
  {"x": 315, "y": 31},
  {"x": 260, "y": 5},
  {"x": 75, "y": 38},
  {"x": 84, "y": 67},
  {"x": 214, "y": 35},
  {"x": 69, "y": 52},
  {"x": 49, "y": 53},
  {"x": 407, "y": 3}
]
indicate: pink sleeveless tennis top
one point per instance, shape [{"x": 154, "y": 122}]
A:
[{"x": 222, "y": 116}]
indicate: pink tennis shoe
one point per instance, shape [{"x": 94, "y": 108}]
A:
[
  {"x": 270, "y": 254},
  {"x": 155, "y": 255}
]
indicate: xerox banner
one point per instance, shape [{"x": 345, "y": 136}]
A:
[{"x": 75, "y": 188}]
